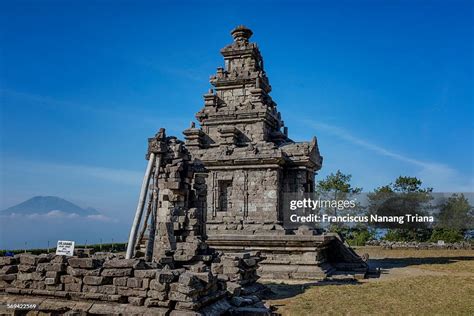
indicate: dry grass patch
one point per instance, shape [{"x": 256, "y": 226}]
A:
[
  {"x": 427, "y": 295},
  {"x": 413, "y": 282}
]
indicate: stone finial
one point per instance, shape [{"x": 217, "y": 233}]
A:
[{"x": 241, "y": 33}]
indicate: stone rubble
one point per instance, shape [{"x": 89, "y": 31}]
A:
[{"x": 226, "y": 281}]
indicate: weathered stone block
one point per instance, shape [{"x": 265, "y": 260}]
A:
[
  {"x": 145, "y": 273},
  {"x": 24, "y": 276},
  {"x": 40, "y": 285},
  {"x": 136, "y": 301},
  {"x": 78, "y": 272},
  {"x": 3, "y": 285},
  {"x": 185, "y": 289},
  {"x": 54, "y": 287},
  {"x": 8, "y": 261},
  {"x": 187, "y": 278},
  {"x": 158, "y": 295},
  {"x": 90, "y": 296},
  {"x": 84, "y": 263},
  {"x": 52, "y": 274},
  {"x": 50, "y": 281},
  {"x": 217, "y": 268},
  {"x": 181, "y": 297},
  {"x": 29, "y": 259},
  {"x": 186, "y": 308},
  {"x": 25, "y": 268},
  {"x": 135, "y": 282},
  {"x": 73, "y": 287},
  {"x": 116, "y": 298},
  {"x": 66, "y": 279},
  {"x": 12, "y": 269},
  {"x": 117, "y": 272},
  {"x": 231, "y": 270},
  {"x": 90, "y": 288},
  {"x": 234, "y": 288},
  {"x": 206, "y": 277},
  {"x": 125, "y": 263},
  {"x": 131, "y": 292},
  {"x": 57, "y": 267},
  {"x": 120, "y": 281},
  {"x": 41, "y": 267},
  {"x": 36, "y": 276},
  {"x": 12, "y": 290},
  {"x": 108, "y": 289},
  {"x": 152, "y": 302},
  {"x": 146, "y": 284},
  {"x": 158, "y": 286},
  {"x": 7, "y": 277},
  {"x": 96, "y": 280},
  {"x": 59, "y": 259}
]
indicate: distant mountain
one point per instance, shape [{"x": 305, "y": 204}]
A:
[{"x": 46, "y": 204}]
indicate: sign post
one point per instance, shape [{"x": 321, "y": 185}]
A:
[{"x": 65, "y": 248}]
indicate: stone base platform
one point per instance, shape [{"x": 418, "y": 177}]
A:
[
  {"x": 37, "y": 305},
  {"x": 304, "y": 257}
]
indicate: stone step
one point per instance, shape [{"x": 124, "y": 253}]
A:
[{"x": 346, "y": 276}]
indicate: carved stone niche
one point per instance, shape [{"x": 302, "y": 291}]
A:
[{"x": 224, "y": 195}]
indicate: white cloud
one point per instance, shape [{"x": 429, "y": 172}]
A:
[
  {"x": 101, "y": 218},
  {"x": 56, "y": 214}
]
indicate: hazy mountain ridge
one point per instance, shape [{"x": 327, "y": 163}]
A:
[{"x": 47, "y": 204}]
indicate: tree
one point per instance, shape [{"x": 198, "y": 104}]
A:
[
  {"x": 404, "y": 196},
  {"x": 454, "y": 219},
  {"x": 337, "y": 186},
  {"x": 409, "y": 185},
  {"x": 454, "y": 213}
]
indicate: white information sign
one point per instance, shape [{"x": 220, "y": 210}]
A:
[{"x": 65, "y": 248}]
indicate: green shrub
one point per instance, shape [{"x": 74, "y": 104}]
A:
[
  {"x": 360, "y": 237},
  {"x": 405, "y": 235},
  {"x": 448, "y": 235}
]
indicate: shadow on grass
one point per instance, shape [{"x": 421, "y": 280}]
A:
[
  {"x": 389, "y": 263},
  {"x": 283, "y": 290},
  {"x": 276, "y": 291}
]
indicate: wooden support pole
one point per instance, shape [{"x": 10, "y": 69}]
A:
[
  {"x": 154, "y": 210},
  {"x": 138, "y": 213}
]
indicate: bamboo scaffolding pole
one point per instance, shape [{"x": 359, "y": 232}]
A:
[{"x": 139, "y": 211}]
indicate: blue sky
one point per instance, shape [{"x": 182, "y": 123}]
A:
[{"x": 386, "y": 86}]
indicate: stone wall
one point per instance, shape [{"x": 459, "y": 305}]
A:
[
  {"x": 223, "y": 281},
  {"x": 252, "y": 195}
]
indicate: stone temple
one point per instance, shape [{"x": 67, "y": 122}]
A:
[
  {"x": 243, "y": 162},
  {"x": 209, "y": 221}
]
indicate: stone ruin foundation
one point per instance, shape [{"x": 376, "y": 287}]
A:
[
  {"x": 109, "y": 284},
  {"x": 209, "y": 219}
]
